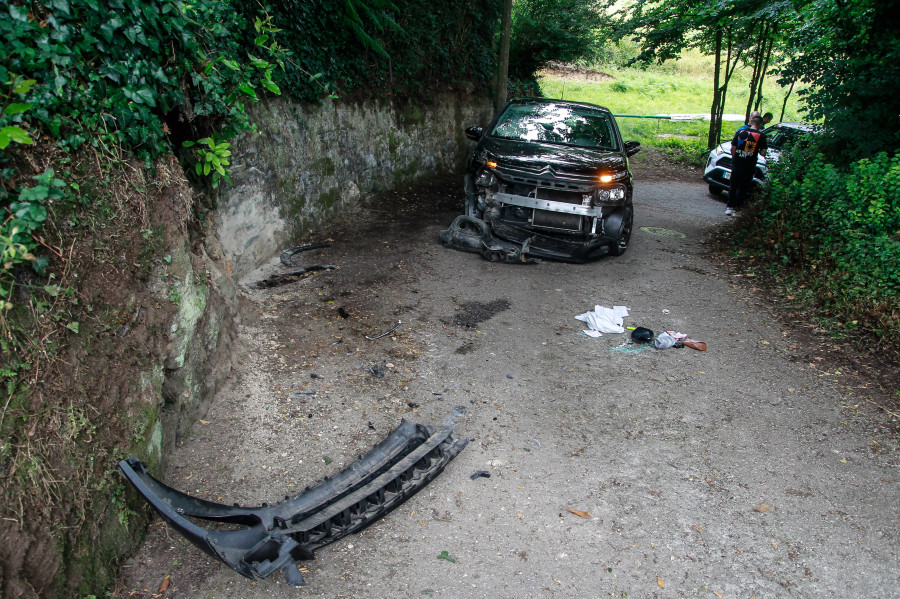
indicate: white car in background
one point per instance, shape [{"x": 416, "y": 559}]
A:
[{"x": 718, "y": 167}]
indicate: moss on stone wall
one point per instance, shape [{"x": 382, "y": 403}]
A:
[{"x": 323, "y": 167}]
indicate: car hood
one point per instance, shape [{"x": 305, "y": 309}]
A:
[
  {"x": 771, "y": 154},
  {"x": 587, "y": 160}
]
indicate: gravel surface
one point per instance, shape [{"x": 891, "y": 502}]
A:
[{"x": 617, "y": 470}]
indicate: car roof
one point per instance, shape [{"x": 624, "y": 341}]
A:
[
  {"x": 807, "y": 127},
  {"x": 534, "y": 100}
]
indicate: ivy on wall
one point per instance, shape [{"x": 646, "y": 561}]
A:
[{"x": 373, "y": 48}]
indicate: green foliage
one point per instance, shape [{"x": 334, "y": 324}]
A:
[
  {"x": 841, "y": 227},
  {"x": 552, "y": 30},
  {"x": 212, "y": 159},
  {"x": 851, "y": 60},
  {"x": 381, "y": 14},
  {"x": 110, "y": 74},
  {"x": 427, "y": 46},
  {"x": 130, "y": 75},
  {"x": 10, "y": 112},
  {"x": 27, "y": 210}
]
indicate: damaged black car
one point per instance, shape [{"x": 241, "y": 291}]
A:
[{"x": 546, "y": 179}]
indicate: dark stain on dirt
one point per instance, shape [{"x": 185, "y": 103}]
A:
[{"x": 471, "y": 314}]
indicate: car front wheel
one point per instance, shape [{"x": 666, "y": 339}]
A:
[{"x": 623, "y": 236}]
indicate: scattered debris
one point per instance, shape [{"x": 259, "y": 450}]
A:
[
  {"x": 604, "y": 320},
  {"x": 480, "y": 474},
  {"x": 664, "y": 341},
  {"x": 378, "y": 370},
  {"x": 579, "y": 513},
  {"x": 629, "y": 347},
  {"x": 641, "y": 334},
  {"x": 289, "y": 277},
  {"x": 303, "y": 394},
  {"x": 446, "y": 556},
  {"x": 694, "y": 344},
  {"x": 343, "y": 313},
  {"x": 386, "y": 333},
  {"x": 125, "y": 327},
  {"x": 272, "y": 537},
  {"x": 287, "y": 254},
  {"x": 471, "y": 234}
]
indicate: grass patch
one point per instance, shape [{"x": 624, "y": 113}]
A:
[{"x": 675, "y": 87}]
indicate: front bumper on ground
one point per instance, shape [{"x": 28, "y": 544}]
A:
[
  {"x": 500, "y": 241},
  {"x": 273, "y": 536}
]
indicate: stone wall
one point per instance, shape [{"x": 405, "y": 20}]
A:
[{"x": 309, "y": 163}]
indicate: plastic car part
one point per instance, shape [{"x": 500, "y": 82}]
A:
[
  {"x": 272, "y": 537},
  {"x": 642, "y": 335},
  {"x": 386, "y": 333},
  {"x": 471, "y": 234},
  {"x": 287, "y": 254}
]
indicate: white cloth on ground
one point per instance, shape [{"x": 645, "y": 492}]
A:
[{"x": 605, "y": 320}]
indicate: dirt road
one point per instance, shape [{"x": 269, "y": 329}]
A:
[{"x": 748, "y": 470}]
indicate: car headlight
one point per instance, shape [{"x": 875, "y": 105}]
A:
[
  {"x": 485, "y": 178},
  {"x": 613, "y": 194}
]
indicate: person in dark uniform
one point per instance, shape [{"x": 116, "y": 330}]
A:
[{"x": 747, "y": 144}]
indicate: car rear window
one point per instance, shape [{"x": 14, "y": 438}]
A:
[
  {"x": 780, "y": 137},
  {"x": 556, "y": 124}
]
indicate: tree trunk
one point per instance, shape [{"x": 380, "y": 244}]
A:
[
  {"x": 784, "y": 105},
  {"x": 730, "y": 66},
  {"x": 755, "y": 75},
  {"x": 715, "y": 124},
  {"x": 759, "y": 96},
  {"x": 503, "y": 67}
]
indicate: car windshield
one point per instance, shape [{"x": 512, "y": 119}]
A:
[{"x": 557, "y": 124}]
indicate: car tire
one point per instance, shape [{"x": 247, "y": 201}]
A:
[
  {"x": 715, "y": 190},
  {"x": 624, "y": 237}
]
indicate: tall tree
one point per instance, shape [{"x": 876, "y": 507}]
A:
[
  {"x": 548, "y": 30},
  {"x": 848, "y": 54},
  {"x": 731, "y": 30}
]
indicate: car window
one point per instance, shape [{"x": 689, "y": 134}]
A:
[
  {"x": 556, "y": 124},
  {"x": 779, "y": 137}
]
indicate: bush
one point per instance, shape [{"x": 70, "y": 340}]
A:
[
  {"x": 839, "y": 230},
  {"x": 546, "y": 30}
]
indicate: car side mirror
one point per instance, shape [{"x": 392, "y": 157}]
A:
[
  {"x": 632, "y": 148},
  {"x": 474, "y": 133}
]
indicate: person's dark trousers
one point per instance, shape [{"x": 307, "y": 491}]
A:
[{"x": 741, "y": 186}]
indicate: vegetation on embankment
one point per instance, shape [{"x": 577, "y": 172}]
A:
[
  {"x": 830, "y": 237},
  {"x": 116, "y": 124}
]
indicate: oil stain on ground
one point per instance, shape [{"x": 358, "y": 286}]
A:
[{"x": 471, "y": 314}]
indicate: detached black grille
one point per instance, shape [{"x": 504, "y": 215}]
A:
[
  {"x": 547, "y": 177},
  {"x": 545, "y": 242}
]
